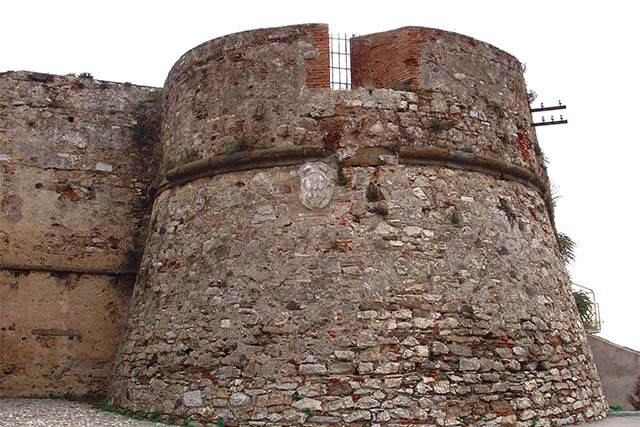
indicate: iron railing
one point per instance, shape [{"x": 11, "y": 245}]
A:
[
  {"x": 593, "y": 324},
  {"x": 340, "y": 61}
]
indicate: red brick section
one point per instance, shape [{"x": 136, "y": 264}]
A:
[
  {"x": 318, "y": 67},
  {"x": 390, "y": 59}
]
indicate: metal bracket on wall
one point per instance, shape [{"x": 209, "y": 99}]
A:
[{"x": 553, "y": 121}]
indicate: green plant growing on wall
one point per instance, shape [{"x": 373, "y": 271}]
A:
[
  {"x": 634, "y": 397},
  {"x": 241, "y": 144},
  {"x": 585, "y": 307},
  {"x": 436, "y": 125},
  {"x": 219, "y": 422},
  {"x": 106, "y": 406},
  {"x": 85, "y": 75},
  {"x": 456, "y": 217},
  {"x": 532, "y": 95},
  {"x": 507, "y": 208},
  {"x": 499, "y": 110},
  {"x": 134, "y": 255},
  {"x": 567, "y": 247}
]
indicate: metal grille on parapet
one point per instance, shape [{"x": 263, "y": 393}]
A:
[{"x": 340, "y": 61}]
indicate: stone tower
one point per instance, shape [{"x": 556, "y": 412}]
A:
[{"x": 381, "y": 256}]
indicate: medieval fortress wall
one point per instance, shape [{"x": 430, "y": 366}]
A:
[
  {"x": 380, "y": 256},
  {"x": 72, "y": 213}
]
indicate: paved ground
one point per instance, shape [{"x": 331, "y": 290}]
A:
[
  {"x": 65, "y": 413},
  {"x": 616, "y": 421},
  {"x": 61, "y": 413}
]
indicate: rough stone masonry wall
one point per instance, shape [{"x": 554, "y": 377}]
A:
[
  {"x": 429, "y": 291},
  {"x": 76, "y": 160}
]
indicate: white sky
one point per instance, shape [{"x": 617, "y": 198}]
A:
[{"x": 584, "y": 53}]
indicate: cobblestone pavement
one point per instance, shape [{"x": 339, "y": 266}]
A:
[
  {"x": 65, "y": 413},
  {"x": 61, "y": 413}
]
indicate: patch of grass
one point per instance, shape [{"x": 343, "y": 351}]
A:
[
  {"x": 241, "y": 144},
  {"x": 263, "y": 146},
  {"x": 308, "y": 412},
  {"x": 106, "y": 406},
  {"x": 219, "y": 422},
  {"x": 534, "y": 421},
  {"x": 615, "y": 408}
]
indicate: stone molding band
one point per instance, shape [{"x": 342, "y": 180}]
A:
[
  {"x": 53, "y": 269},
  {"x": 364, "y": 156}
]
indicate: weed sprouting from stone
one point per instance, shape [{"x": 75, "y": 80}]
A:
[
  {"x": 85, "y": 75},
  {"x": 106, "y": 406},
  {"x": 308, "y": 412},
  {"x": 134, "y": 255},
  {"x": 341, "y": 178},
  {"x": 219, "y": 422},
  {"x": 567, "y": 247},
  {"x": 507, "y": 208},
  {"x": 534, "y": 421},
  {"x": 456, "y": 217},
  {"x": 499, "y": 110},
  {"x": 436, "y": 125},
  {"x": 241, "y": 144}
]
